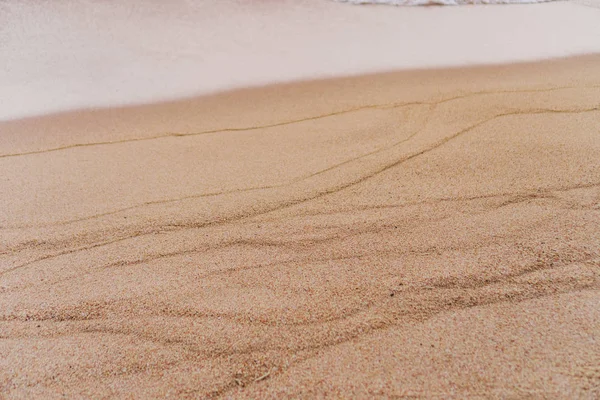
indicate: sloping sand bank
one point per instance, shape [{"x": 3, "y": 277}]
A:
[{"x": 426, "y": 233}]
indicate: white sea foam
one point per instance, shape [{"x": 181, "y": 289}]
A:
[{"x": 441, "y": 2}]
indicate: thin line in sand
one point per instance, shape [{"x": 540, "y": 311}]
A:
[
  {"x": 283, "y": 205},
  {"x": 295, "y": 121},
  {"x": 474, "y": 260}
]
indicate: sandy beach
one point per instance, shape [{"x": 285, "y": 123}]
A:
[{"x": 417, "y": 233}]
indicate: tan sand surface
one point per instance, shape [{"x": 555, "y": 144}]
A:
[{"x": 431, "y": 233}]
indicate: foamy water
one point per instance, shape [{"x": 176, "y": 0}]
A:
[
  {"x": 441, "y": 2},
  {"x": 69, "y": 54}
]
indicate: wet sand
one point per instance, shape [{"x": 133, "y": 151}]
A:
[{"x": 429, "y": 233}]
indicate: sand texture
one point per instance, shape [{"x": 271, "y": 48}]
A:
[{"x": 430, "y": 233}]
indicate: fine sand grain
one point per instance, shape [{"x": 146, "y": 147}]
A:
[{"x": 429, "y": 233}]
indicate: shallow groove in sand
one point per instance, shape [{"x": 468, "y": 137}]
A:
[
  {"x": 231, "y": 299},
  {"x": 321, "y": 193},
  {"x": 278, "y": 124}
]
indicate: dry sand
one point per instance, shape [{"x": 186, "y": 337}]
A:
[{"x": 430, "y": 233}]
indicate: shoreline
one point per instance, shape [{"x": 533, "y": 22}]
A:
[
  {"x": 430, "y": 233},
  {"x": 110, "y": 55},
  {"x": 241, "y": 91},
  {"x": 134, "y": 118}
]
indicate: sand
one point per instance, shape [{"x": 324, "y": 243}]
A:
[
  {"x": 426, "y": 233},
  {"x": 299, "y": 199}
]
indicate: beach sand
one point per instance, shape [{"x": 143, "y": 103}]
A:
[
  {"x": 299, "y": 199},
  {"x": 426, "y": 233}
]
